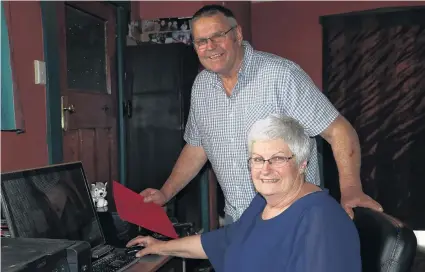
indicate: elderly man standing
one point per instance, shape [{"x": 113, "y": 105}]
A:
[{"x": 238, "y": 87}]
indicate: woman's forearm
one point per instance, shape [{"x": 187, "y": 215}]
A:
[{"x": 186, "y": 247}]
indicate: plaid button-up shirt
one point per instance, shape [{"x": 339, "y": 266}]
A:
[{"x": 220, "y": 124}]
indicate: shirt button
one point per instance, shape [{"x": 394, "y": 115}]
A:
[
  {"x": 232, "y": 139},
  {"x": 231, "y": 115},
  {"x": 235, "y": 165}
]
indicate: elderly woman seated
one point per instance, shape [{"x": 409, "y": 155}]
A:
[{"x": 290, "y": 225}]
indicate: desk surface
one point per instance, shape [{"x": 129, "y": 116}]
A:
[{"x": 149, "y": 264}]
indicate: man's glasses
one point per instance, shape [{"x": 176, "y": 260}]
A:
[
  {"x": 275, "y": 162},
  {"x": 216, "y": 38}
]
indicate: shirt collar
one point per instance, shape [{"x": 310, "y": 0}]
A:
[{"x": 248, "y": 51}]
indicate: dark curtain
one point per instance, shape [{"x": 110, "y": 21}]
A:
[{"x": 374, "y": 73}]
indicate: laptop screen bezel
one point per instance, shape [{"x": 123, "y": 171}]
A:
[{"x": 10, "y": 176}]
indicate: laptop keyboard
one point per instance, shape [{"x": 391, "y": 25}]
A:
[
  {"x": 112, "y": 263},
  {"x": 97, "y": 253}
]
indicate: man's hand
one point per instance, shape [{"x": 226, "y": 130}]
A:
[
  {"x": 353, "y": 196},
  {"x": 154, "y": 195},
  {"x": 151, "y": 245}
]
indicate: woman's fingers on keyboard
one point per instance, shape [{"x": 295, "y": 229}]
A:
[{"x": 139, "y": 240}]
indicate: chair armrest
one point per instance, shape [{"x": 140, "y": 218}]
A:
[{"x": 386, "y": 243}]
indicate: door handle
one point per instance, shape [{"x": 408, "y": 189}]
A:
[
  {"x": 70, "y": 109},
  {"x": 128, "y": 109},
  {"x": 66, "y": 110}
]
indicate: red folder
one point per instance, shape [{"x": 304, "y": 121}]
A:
[{"x": 131, "y": 208}]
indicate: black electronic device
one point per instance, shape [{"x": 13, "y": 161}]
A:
[
  {"x": 55, "y": 202},
  {"x": 133, "y": 250},
  {"x": 37, "y": 254}
]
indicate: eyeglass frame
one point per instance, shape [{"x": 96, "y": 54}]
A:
[
  {"x": 286, "y": 160},
  {"x": 214, "y": 36}
]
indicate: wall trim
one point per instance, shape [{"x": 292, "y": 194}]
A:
[{"x": 52, "y": 59}]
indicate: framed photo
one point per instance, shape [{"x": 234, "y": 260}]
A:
[{"x": 162, "y": 30}]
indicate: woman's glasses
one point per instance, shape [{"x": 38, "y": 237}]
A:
[{"x": 274, "y": 162}]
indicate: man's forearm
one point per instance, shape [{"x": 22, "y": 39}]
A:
[
  {"x": 187, "y": 247},
  {"x": 188, "y": 165},
  {"x": 348, "y": 156},
  {"x": 346, "y": 150}
]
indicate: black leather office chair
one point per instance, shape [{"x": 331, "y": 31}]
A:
[{"x": 387, "y": 245}]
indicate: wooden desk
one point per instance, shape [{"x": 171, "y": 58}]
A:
[{"x": 157, "y": 263}]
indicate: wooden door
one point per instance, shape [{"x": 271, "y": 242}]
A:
[{"x": 88, "y": 87}]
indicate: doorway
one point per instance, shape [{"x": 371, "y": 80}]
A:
[{"x": 80, "y": 48}]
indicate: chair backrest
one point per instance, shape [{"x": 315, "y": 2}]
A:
[{"x": 386, "y": 243}]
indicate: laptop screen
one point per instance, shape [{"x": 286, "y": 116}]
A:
[{"x": 51, "y": 202}]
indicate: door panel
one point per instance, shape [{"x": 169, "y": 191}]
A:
[
  {"x": 159, "y": 83},
  {"x": 70, "y": 146},
  {"x": 87, "y": 149},
  {"x": 87, "y": 42},
  {"x": 86, "y": 51},
  {"x": 89, "y": 110},
  {"x": 102, "y": 155}
]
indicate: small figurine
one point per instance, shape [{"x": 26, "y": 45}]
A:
[{"x": 98, "y": 193}]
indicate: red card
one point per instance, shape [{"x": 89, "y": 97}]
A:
[{"x": 131, "y": 208}]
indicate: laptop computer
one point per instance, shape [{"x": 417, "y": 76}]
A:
[{"x": 55, "y": 202}]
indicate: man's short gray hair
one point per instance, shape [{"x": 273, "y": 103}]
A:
[
  {"x": 285, "y": 128},
  {"x": 211, "y": 10}
]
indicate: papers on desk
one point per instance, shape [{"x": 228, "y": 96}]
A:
[{"x": 131, "y": 208}]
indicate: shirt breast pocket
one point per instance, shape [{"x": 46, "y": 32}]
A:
[
  {"x": 210, "y": 124},
  {"x": 257, "y": 112}
]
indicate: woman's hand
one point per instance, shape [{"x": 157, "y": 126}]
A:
[{"x": 151, "y": 245}]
